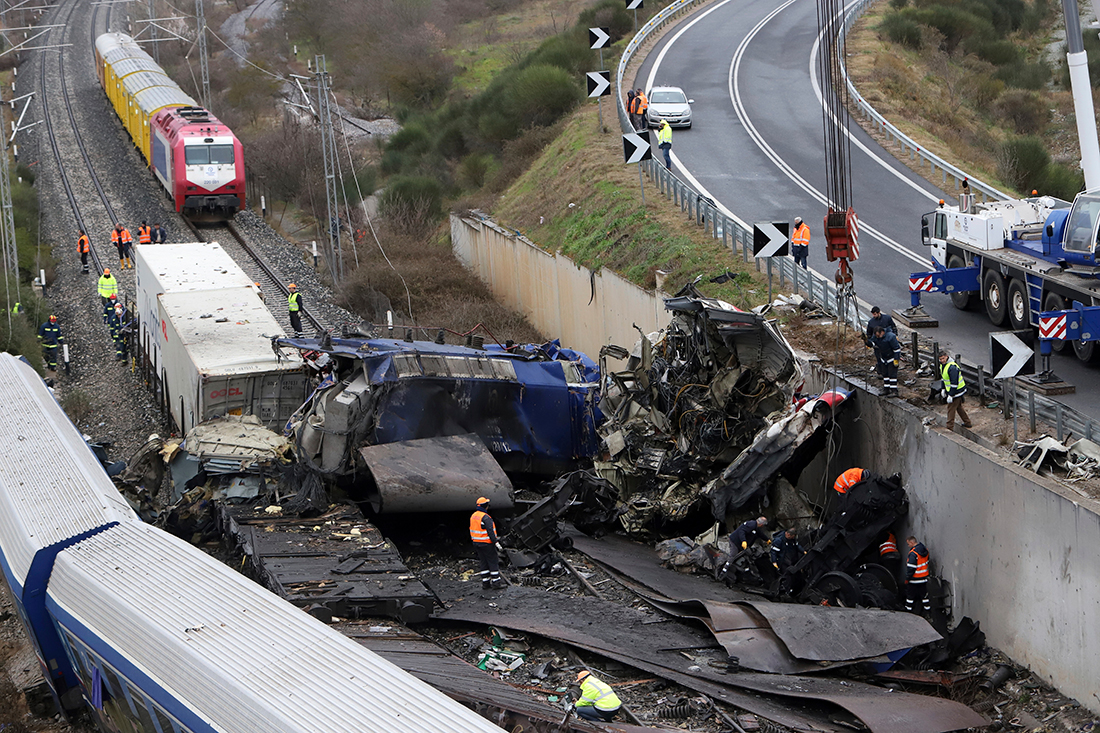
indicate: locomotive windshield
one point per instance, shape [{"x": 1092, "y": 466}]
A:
[
  {"x": 1081, "y": 229},
  {"x": 209, "y": 154}
]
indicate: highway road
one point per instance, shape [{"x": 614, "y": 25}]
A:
[{"x": 756, "y": 147}]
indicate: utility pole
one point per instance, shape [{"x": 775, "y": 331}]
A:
[
  {"x": 153, "y": 31},
  {"x": 205, "y": 100},
  {"x": 328, "y": 153},
  {"x": 7, "y": 220}
]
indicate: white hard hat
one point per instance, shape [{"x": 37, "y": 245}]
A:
[{"x": 798, "y": 220}]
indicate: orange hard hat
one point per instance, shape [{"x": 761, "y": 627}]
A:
[
  {"x": 482, "y": 500},
  {"x": 582, "y": 674},
  {"x": 292, "y": 286},
  {"x": 106, "y": 270}
]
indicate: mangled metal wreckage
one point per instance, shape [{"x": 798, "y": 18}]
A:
[{"x": 426, "y": 426}]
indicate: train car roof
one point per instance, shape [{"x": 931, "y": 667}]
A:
[
  {"x": 108, "y": 43},
  {"x": 162, "y": 612},
  {"x": 139, "y": 81},
  {"x": 154, "y": 99},
  {"x": 239, "y": 343},
  {"x": 189, "y": 267},
  {"x": 133, "y": 64},
  {"x": 52, "y": 487}
]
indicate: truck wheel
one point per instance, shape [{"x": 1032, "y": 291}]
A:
[
  {"x": 996, "y": 306},
  {"x": 1086, "y": 351},
  {"x": 961, "y": 301},
  {"x": 1055, "y": 302},
  {"x": 1019, "y": 310}
]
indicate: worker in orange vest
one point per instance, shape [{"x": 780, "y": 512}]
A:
[
  {"x": 848, "y": 479},
  {"x": 483, "y": 532},
  {"x": 124, "y": 243},
  {"x": 83, "y": 247},
  {"x": 916, "y": 576},
  {"x": 800, "y": 243},
  {"x": 145, "y": 233},
  {"x": 643, "y": 108}
]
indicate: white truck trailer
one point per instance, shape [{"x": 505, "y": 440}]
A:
[{"x": 217, "y": 359}]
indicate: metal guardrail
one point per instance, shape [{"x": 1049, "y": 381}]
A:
[
  {"x": 893, "y": 134},
  {"x": 737, "y": 236}
]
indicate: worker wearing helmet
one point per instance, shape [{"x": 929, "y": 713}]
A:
[
  {"x": 124, "y": 243},
  {"x": 49, "y": 333},
  {"x": 800, "y": 243},
  {"x": 597, "y": 701},
  {"x": 294, "y": 305},
  {"x": 120, "y": 330},
  {"x": 483, "y": 532},
  {"x": 107, "y": 286}
]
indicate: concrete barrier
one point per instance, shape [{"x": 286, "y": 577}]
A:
[
  {"x": 586, "y": 309},
  {"x": 1021, "y": 552}
]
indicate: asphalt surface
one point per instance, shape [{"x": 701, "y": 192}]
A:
[{"x": 757, "y": 147}]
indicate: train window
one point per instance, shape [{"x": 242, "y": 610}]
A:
[
  {"x": 221, "y": 154},
  {"x": 141, "y": 709}
]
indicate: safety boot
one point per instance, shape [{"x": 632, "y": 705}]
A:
[{"x": 498, "y": 584}]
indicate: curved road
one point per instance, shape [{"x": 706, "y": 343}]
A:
[{"x": 756, "y": 147}]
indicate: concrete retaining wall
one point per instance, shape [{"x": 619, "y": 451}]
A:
[
  {"x": 585, "y": 309},
  {"x": 1021, "y": 552}
]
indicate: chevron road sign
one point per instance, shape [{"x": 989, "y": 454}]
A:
[
  {"x": 599, "y": 83},
  {"x": 636, "y": 148},
  {"x": 598, "y": 37},
  {"x": 770, "y": 239},
  {"x": 1010, "y": 355},
  {"x": 633, "y": 4}
]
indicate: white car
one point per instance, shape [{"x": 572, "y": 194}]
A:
[{"x": 669, "y": 103}]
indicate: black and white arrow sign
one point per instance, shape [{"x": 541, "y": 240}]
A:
[
  {"x": 599, "y": 83},
  {"x": 770, "y": 239},
  {"x": 636, "y": 148},
  {"x": 598, "y": 37},
  {"x": 633, "y": 4},
  {"x": 1011, "y": 353}
]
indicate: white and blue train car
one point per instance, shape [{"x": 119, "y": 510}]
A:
[
  {"x": 53, "y": 494},
  {"x": 158, "y": 636}
]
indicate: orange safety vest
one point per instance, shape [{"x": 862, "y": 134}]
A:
[
  {"x": 889, "y": 547},
  {"x": 847, "y": 480},
  {"x": 123, "y": 235},
  {"x": 477, "y": 532},
  {"x": 144, "y": 235},
  {"x": 82, "y": 244},
  {"x": 920, "y": 575},
  {"x": 801, "y": 235},
  {"x": 643, "y": 103}
]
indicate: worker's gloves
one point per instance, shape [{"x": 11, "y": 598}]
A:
[
  {"x": 744, "y": 545},
  {"x": 896, "y": 362},
  {"x": 950, "y": 399},
  {"x": 943, "y": 393},
  {"x": 775, "y": 565},
  {"x": 500, "y": 547}
]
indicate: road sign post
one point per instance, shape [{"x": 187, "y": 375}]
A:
[
  {"x": 1012, "y": 354},
  {"x": 634, "y": 5},
  {"x": 636, "y": 149},
  {"x": 599, "y": 85}
]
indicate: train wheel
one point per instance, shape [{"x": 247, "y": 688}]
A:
[
  {"x": 1019, "y": 310},
  {"x": 996, "y": 304},
  {"x": 962, "y": 301},
  {"x": 1055, "y": 302}
]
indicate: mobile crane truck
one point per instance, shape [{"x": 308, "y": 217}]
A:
[{"x": 1033, "y": 261}]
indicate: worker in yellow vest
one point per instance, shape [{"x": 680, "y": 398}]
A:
[{"x": 597, "y": 701}]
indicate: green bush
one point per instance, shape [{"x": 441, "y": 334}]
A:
[
  {"x": 474, "y": 169},
  {"x": 541, "y": 95},
  {"x": 1092, "y": 52},
  {"x": 898, "y": 4},
  {"x": 610, "y": 14},
  {"x": 901, "y": 30},
  {"x": 984, "y": 90},
  {"x": 21, "y": 338},
  {"x": 412, "y": 196},
  {"x": 566, "y": 51},
  {"x": 412, "y": 139},
  {"x": 999, "y": 52},
  {"x": 1023, "y": 162},
  {"x": 1023, "y": 75},
  {"x": 365, "y": 180},
  {"x": 1062, "y": 181},
  {"x": 393, "y": 162},
  {"x": 1025, "y": 111},
  {"x": 451, "y": 142},
  {"x": 954, "y": 22}
]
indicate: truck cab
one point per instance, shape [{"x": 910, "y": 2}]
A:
[{"x": 1081, "y": 236}]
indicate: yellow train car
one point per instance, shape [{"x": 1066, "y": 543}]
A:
[{"x": 135, "y": 85}]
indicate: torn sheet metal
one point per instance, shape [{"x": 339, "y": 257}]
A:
[
  {"x": 594, "y": 501},
  {"x": 434, "y": 475},
  {"x": 781, "y": 449},
  {"x": 337, "y": 563},
  {"x": 532, "y": 406},
  {"x": 236, "y": 441},
  {"x": 621, "y": 634},
  {"x": 495, "y": 699}
]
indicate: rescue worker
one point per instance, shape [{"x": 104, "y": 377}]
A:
[
  {"x": 916, "y": 576},
  {"x": 114, "y": 324},
  {"x": 597, "y": 701},
  {"x": 800, "y": 243},
  {"x": 120, "y": 237},
  {"x": 878, "y": 318},
  {"x": 145, "y": 233},
  {"x": 158, "y": 234},
  {"x": 107, "y": 286},
  {"x": 850, "y": 478},
  {"x": 643, "y": 110},
  {"x": 630, "y": 97},
  {"x": 294, "y": 305},
  {"x": 17, "y": 309},
  {"x": 483, "y": 532},
  {"x": 888, "y": 554},
  {"x": 83, "y": 247},
  {"x": 121, "y": 331},
  {"x": 259, "y": 291},
  {"x": 747, "y": 533},
  {"x": 888, "y": 353},
  {"x": 953, "y": 389},
  {"x": 49, "y": 333},
  {"x": 664, "y": 142},
  {"x": 785, "y": 550}
]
